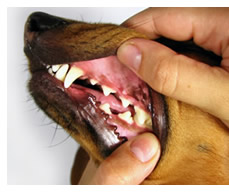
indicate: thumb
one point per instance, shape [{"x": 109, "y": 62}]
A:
[
  {"x": 178, "y": 76},
  {"x": 131, "y": 163}
]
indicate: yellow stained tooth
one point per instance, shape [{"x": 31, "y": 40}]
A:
[
  {"x": 125, "y": 102},
  {"x": 126, "y": 116},
  {"x": 60, "y": 74},
  {"x": 93, "y": 81},
  {"x": 72, "y": 75},
  {"x": 107, "y": 90},
  {"x": 106, "y": 108},
  {"x": 142, "y": 118},
  {"x": 55, "y": 67}
]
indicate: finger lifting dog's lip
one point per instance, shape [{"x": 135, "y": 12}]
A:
[{"x": 79, "y": 82}]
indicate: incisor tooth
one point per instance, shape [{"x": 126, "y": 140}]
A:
[
  {"x": 60, "y": 74},
  {"x": 142, "y": 118},
  {"x": 93, "y": 81},
  {"x": 125, "y": 102},
  {"x": 50, "y": 71},
  {"x": 55, "y": 67},
  {"x": 126, "y": 116},
  {"x": 106, "y": 108},
  {"x": 107, "y": 90},
  {"x": 72, "y": 75}
]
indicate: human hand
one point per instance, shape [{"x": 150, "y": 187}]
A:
[
  {"x": 176, "y": 75},
  {"x": 131, "y": 163}
]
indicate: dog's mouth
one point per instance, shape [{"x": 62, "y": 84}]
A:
[
  {"x": 89, "y": 92},
  {"x": 119, "y": 96}
]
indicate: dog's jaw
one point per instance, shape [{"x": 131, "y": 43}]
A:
[
  {"x": 80, "y": 47},
  {"x": 195, "y": 140}
]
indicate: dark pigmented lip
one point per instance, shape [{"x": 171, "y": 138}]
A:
[
  {"x": 42, "y": 49},
  {"x": 49, "y": 94}
]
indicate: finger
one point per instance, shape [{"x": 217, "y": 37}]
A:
[
  {"x": 178, "y": 76},
  {"x": 88, "y": 173},
  {"x": 207, "y": 26},
  {"x": 131, "y": 163}
]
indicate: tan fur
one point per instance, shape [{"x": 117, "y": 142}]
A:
[{"x": 197, "y": 151}]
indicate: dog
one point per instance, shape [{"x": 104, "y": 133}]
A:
[{"x": 79, "y": 83}]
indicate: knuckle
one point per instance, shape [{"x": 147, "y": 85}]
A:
[{"x": 166, "y": 75}]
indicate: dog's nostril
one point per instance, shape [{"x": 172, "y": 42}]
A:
[{"x": 40, "y": 21}]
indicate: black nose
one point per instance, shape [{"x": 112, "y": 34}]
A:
[{"x": 39, "y": 22}]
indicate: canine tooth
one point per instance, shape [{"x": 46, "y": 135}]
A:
[
  {"x": 93, "y": 81},
  {"x": 106, "y": 108},
  {"x": 72, "y": 75},
  {"x": 48, "y": 66},
  {"x": 126, "y": 116},
  {"x": 142, "y": 118},
  {"x": 55, "y": 67},
  {"x": 60, "y": 74},
  {"x": 107, "y": 90},
  {"x": 125, "y": 102}
]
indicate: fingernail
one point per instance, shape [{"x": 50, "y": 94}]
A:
[
  {"x": 130, "y": 55},
  {"x": 145, "y": 147}
]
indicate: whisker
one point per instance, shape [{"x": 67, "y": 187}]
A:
[
  {"x": 45, "y": 124},
  {"x": 54, "y": 134},
  {"x": 81, "y": 16},
  {"x": 70, "y": 134},
  {"x": 138, "y": 24}
]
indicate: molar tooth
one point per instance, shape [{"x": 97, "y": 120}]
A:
[
  {"x": 60, "y": 74},
  {"x": 126, "y": 116},
  {"x": 107, "y": 90},
  {"x": 106, "y": 108},
  {"x": 55, "y": 67},
  {"x": 72, "y": 75},
  {"x": 125, "y": 102},
  {"x": 142, "y": 118},
  {"x": 93, "y": 81}
]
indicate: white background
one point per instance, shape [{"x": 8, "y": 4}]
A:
[{"x": 35, "y": 154}]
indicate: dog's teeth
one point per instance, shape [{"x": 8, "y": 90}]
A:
[
  {"x": 72, "y": 75},
  {"x": 60, "y": 74},
  {"x": 125, "y": 102},
  {"x": 107, "y": 90},
  {"x": 126, "y": 117},
  {"x": 55, "y": 67},
  {"x": 142, "y": 118},
  {"x": 106, "y": 108},
  {"x": 93, "y": 81},
  {"x": 50, "y": 71}
]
